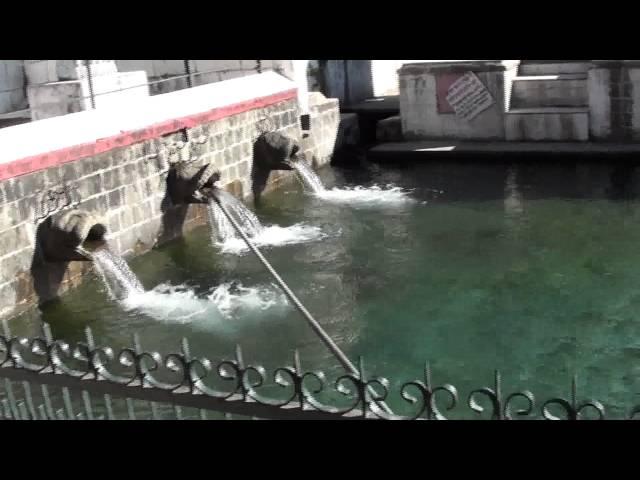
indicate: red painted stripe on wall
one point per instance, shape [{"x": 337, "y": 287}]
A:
[{"x": 54, "y": 158}]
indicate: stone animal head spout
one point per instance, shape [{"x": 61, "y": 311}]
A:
[
  {"x": 275, "y": 151},
  {"x": 69, "y": 235},
  {"x": 188, "y": 183}
]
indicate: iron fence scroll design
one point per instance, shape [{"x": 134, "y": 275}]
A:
[{"x": 183, "y": 380}]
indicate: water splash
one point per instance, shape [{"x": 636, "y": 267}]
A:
[
  {"x": 227, "y": 301},
  {"x": 181, "y": 303},
  {"x": 308, "y": 177},
  {"x": 362, "y": 197},
  {"x": 225, "y": 236},
  {"x": 355, "y": 196},
  {"x": 115, "y": 273},
  {"x": 275, "y": 236},
  {"x": 222, "y": 229}
]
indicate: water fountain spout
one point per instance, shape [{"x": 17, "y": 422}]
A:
[
  {"x": 70, "y": 235},
  {"x": 188, "y": 183},
  {"x": 275, "y": 151},
  {"x": 272, "y": 151}
]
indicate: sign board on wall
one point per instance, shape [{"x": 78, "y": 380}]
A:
[{"x": 462, "y": 94}]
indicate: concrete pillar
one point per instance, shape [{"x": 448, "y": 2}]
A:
[
  {"x": 598, "y": 86},
  {"x": 614, "y": 100},
  {"x": 300, "y": 77},
  {"x": 350, "y": 81},
  {"x": 12, "y": 83},
  {"x": 284, "y": 68}
]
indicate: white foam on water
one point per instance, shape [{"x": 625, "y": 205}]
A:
[
  {"x": 224, "y": 236},
  {"x": 227, "y": 301},
  {"x": 274, "y": 236},
  {"x": 367, "y": 196},
  {"x": 358, "y": 196}
]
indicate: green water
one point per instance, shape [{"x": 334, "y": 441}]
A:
[{"x": 532, "y": 270}]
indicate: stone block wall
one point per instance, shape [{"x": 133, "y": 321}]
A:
[
  {"x": 125, "y": 188},
  {"x": 325, "y": 120}
]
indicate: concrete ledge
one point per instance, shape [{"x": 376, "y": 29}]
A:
[
  {"x": 428, "y": 149},
  {"x": 559, "y": 76},
  {"x": 549, "y": 110},
  {"x": 461, "y": 66},
  {"x": 389, "y": 130},
  {"x": 388, "y": 105},
  {"x": 42, "y": 144}
]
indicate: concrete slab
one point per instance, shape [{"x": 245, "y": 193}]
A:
[{"x": 388, "y": 105}]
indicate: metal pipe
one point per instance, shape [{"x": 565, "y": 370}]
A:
[
  {"x": 84, "y": 252},
  {"x": 328, "y": 341},
  {"x": 92, "y": 96},
  {"x": 187, "y": 71}
]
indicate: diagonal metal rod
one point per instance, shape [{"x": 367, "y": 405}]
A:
[{"x": 328, "y": 341}]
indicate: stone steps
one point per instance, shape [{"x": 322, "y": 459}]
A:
[
  {"x": 547, "y": 124},
  {"x": 566, "y": 90},
  {"x": 552, "y": 67},
  {"x": 549, "y": 102}
]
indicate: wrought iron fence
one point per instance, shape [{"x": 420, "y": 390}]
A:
[
  {"x": 44, "y": 378},
  {"x": 189, "y": 76}
]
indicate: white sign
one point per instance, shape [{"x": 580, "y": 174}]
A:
[{"x": 469, "y": 97}]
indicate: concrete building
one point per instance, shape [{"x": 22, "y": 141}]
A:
[{"x": 521, "y": 100}]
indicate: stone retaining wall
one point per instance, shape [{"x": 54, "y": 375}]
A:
[{"x": 125, "y": 188}]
